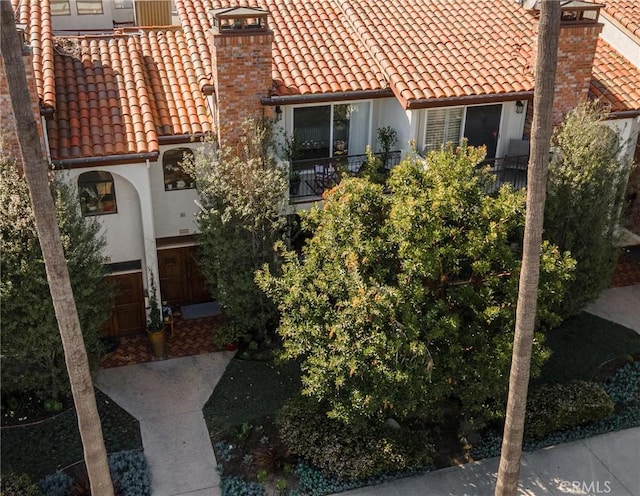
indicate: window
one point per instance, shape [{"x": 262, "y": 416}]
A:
[
  {"x": 88, "y": 7},
  {"x": 174, "y": 175},
  {"x": 97, "y": 194},
  {"x": 444, "y": 125},
  {"x": 60, "y": 7},
  {"x": 331, "y": 130},
  {"x": 123, "y": 4}
]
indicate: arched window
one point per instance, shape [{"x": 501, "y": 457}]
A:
[
  {"x": 174, "y": 175},
  {"x": 97, "y": 193}
]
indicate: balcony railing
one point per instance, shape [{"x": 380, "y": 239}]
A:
[
  {"x": 311, "y": 177},
  {"x": 511, "y": 170}
]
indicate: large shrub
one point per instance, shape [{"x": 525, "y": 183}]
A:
[
  {"x": 585, "y": 192},
  {"x": 555, "y": 407},
  {"x": 350, "y": 452},
  {"x": 241, "y": 197},
  {"x": 32, "y": 355},
  {"x": 402, "y": 301}
]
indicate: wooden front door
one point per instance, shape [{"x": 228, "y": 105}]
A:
[
  {"x": 181, "y": 283},
  {"x": 128, "y": 311}
]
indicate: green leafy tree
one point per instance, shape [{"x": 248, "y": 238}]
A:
[
  {"x": 403, "y": 301},
  {"x": 585, "y": 192},
  {"x": 32, "y": 354},
  {"x": 242, "y": 192}
]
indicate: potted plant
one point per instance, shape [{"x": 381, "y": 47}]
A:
[
  {"x": 155, "y": 324},
  {"x": 294, "y": 183},
  {"x": 387, "y": 138}
]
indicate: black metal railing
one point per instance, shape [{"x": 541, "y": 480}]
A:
[
  {"x": 511, "y": 170},
  {"x": 311, "y": 177}
]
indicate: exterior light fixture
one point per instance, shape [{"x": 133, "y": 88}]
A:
[
  {"x": 278, "y": 112},
  {"x": 519, "y": 107}
]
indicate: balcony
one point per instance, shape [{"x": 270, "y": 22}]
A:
[
  {"x": 312, "y": 177},
  {"x": 512, "y": 170}
]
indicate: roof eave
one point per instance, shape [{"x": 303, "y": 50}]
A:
[
  {"x": 327, "y": 97},
  {"x": 424, "y": 103}
]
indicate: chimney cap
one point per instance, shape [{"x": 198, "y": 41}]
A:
[{"x": 238, "y": 18}]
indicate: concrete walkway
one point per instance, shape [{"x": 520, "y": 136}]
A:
[
  {"x": 619, "y": 305},
  {"x": 167, "y": 398},
  {"x": 608, "y": 464}
]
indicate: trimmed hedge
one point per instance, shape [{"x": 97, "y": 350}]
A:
[
  {"x": 348, "y": 451},
  {"x": 554, "y": 407}
]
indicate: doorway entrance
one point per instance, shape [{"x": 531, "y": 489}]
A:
[
  {"x": 482, "y": 126},
  {"x": 128, "y": 317},
  {"x": 181, "y": 282}
]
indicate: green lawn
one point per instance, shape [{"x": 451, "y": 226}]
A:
[
  {"x": 581, "y": 344},
  {"x": 40, "y": 449}
]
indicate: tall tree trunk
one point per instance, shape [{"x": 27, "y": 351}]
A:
[
  {"x": 542, "y": 127},
  {"x": 35, "y": 169}
]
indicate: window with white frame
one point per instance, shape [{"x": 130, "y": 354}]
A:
[
  {"x": 123, "y": 4},
  {"x": 89, "y": 7},
  {"x": 443, "y": 125},
  {"x": 60, "y": 7},
  {"x": 175, "y": 176},
  {"x": 97, "y": 193}
]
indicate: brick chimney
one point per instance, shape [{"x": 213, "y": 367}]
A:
[
  {"x": 579, "y": 30},
  {"x": 9, "y": 144},
  {"x": 241, "y": 49}
]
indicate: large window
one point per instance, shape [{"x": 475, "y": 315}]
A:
[
  {"x": 174, "y": 175},
  {"x": 60, "y": 7},
  {"x": 89, "y": 7},
  {"x": 331, "y": 130},
  {"x": 97, "y": 193},
  {"x": 443, "y": 125}
]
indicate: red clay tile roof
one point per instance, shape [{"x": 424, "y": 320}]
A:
[
  {"x": 425, "y": 49},
  {"x": 118, "y": 94},
  {"x": 121, "y": 93},
  {"x": 443, "y": 49},
  {"x": 626, "y": 12},
  {"x": 614, "y": 79},
  {"x": 37, "y": 17}
]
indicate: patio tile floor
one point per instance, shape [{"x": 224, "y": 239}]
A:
[{"x": 190, "y": 337}]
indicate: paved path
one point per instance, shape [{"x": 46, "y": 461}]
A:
[
  {"x": 603, "y": 465},
  {"x": 619, "y": 305},
  {"x": 167, "y": 398}
]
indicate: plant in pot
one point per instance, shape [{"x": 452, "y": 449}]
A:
[
  {"x": 387, "y": 138},
  {"x": 155, "y": 324},
  {"x": 294, "y": 183}
]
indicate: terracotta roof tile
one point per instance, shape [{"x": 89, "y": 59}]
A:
[
  {"x": 614, "y": 79},
  {"x": 118, "y": 94},
  {"x": 36, "y": 14},
  {"x": 626, "y": 12}
]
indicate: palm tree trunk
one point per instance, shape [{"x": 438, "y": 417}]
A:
[
  {"x": 35, "y": 169},
  {"x": 545, "y": 71}
]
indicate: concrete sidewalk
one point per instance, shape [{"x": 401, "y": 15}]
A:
[
  {"x": 619, "y": 305},
  {"x": 606, "y": 464},
  {"x": 167, "y": 398}
]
